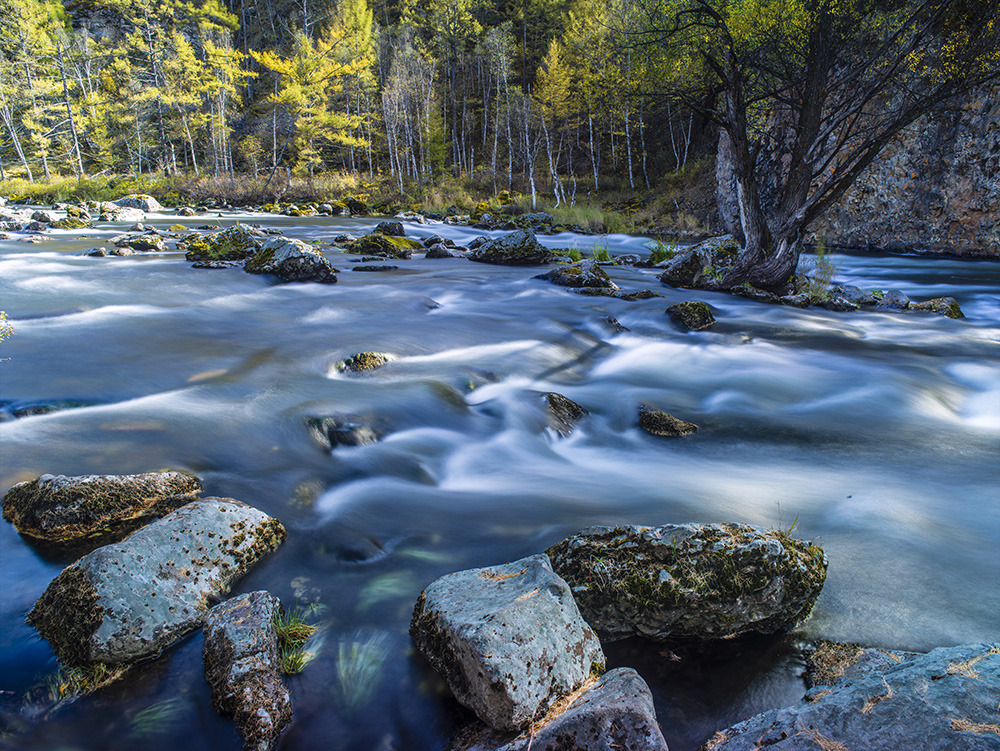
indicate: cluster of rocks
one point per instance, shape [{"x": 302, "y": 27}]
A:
[
  {"x": 174, "y": 555},
  {"x": 520, "y": 644}
]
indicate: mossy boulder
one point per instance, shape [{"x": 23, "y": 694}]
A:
[
  {"x": 72, "y": 223},
  {"x": 243, "y": 667},
  {"x": 519, "y": 248},
  {"x": 236, "y": 243},
  {"x": 659, "y": 423},
  {"x": 377, "y": 244},
  {"x": 690, "y": 581},
  {"x": 363, "y": 361},
  {"x": 692, "y": 314},
  {"x": 943, "y": 306},
  {"x": 291, "y": 260},
  {"x": 130, "y": 600},
  {"x": 356, "y": 206},
  {"x": 59, "y": 509},
  {"x": 583, "y": 274},
  {"x": 508, "y": 640},
  {"x": 563, "y": 413},
  {"x": 698, "y": 265},
  {"x": 148, "y": 242}
]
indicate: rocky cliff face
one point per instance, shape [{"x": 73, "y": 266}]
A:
[{"x": 934, "y": 188}]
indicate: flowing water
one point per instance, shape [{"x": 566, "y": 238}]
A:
[{"x": 875, "y": 433}]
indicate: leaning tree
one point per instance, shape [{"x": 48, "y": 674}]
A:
[{"x": 821, "y": 86}]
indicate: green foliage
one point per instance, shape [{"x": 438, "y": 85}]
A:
[
  {"x": 600, "y": 252},
  {"x": 816, "y": 274},
  {"x": 574, "y": 255},
  {"x": 68, "y": 683},
  {"x": 660, "y": 251},
  {"x": 360, "y": 663},
  {"x": 293, "y": 633}
]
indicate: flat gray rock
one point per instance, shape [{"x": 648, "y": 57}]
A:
[
  {"x": 243, "y": 668},
  {"x": 945, "y": 700},
  {"x": 708, "y": 581},
  {"x": 130, "y": 600},
  {"x": 508, "y": 640},
  {"x": 615, "y": 712}
]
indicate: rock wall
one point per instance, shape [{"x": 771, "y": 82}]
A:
[{"x": 934, "y": 188}]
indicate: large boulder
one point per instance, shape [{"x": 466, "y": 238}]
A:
[
  {"x": 520, "y": 248},
  {"x": 692, "y": 314},
  {"x": 708, "y": 581},
  {"x": 139, "y": 201},
  {"x": 113, "y": 213},
  {"x": 59, "y": 509},
  {"x": 236, "y": 243},
  {"x": 584, "y": 274},
  {"x": 132, "y": 599},
  {"x": 945, "y": 700},
  {"x": 508, "y": 639},
  {"x": 147, "y": 242},
  {"x": 695, "y": 266},
  {"x": 563, "y": 413},
  {"x": 390, "y": 229},
  {"x": 615, "y": 712},
  {"x": 378, "y": 244},
  {"x": 243, "y": 667},
  {"x": 291, "y": 260}
]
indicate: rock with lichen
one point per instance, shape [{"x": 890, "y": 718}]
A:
[
  {"x": 508, "y": 640},
  {"x": 236, "y": 243},
  {"x": 563, "y": 413},
  {"x": 145, "y": 242},
  {"x": 363, "y": 361},
  {"x": 141, "y": 201},
  {"x": 659, "y": 423},
  {"x": 291, "y": 260},
  {"x": 614, "y": 711},
  {"x": 519, "y": 248},
  {"x": 385, "y": 246},
  {"x": 243, "y": 667},
  {"x": 943, "y": 306},
  {"x": 132, "y": 599},
  {"x": 703, "y": 582},
  {"x": 945, "y": 700},
  {"x": 59, "y": 509},
  {"x": 587, "y": 273},
  {"x": 692, "y": 314}
]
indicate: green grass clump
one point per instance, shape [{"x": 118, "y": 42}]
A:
[
  {"x": 662, "y": 251},
  {"x": 293, "y": 633},
  {"x": 601, "y": 253}
]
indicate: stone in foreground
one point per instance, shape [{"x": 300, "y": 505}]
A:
[
  {"x": 692, "y": 314},
  {"x": 563, "y": 413},
  {"x": 291, "y": 260},
  {"x": 520, "y": 248},
  {"x": 945, "y": 700},
  {"x": 130, "y": 600},
  {"x": 243, "y": 668},
  {"x": 584, "y": 274},
  {"x": 709, "y": 581},
  {"x": 508, "y": 640},
  {"x": 615, "y": 712},
  {"x": 236, "y": 243},
  {"x": 659, "y": 423},
  {"x": 57, "y": 509}
]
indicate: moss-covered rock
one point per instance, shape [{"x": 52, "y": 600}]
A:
[
  {"x": 72, "y": 223},
  {"x": 363, "y": 361},
  {"x": 658, "y": 422},
  {"x": 236, "y": 243},
  {"x": 291, "y": 260},
  {"x": 943, "y": 306},
  {"x": 148, "y": 242},
  {"x": 356, "y": 206},
  {"x": 132, "y": 599},
  {"x": 58, "y": 509},
  {"x": 519, "y": 248},
  {"x": 690, "y": 581},
  {"x": 377, "y": 244},
  {"x": 692, "y": 314},
  {"x": 583, "y": 274}
]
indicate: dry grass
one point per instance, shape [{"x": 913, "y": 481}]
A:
[
  {"x": 497, "y": 577},
  {"x": 824, "y": 742},
  {"x": 872, "y": 701},
  {"x": 965, "y": 668},
  {"x": 715, "y": 741},
  {"x": 963, "y": 725}
]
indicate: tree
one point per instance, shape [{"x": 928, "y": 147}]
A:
[{"x": 824, "y": 84}]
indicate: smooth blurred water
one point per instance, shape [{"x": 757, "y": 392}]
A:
[{"x": 876, "y": 433}]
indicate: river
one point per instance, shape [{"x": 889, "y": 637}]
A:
[{"x": 875, "y": 433}]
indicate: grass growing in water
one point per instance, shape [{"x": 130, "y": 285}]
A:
[
  {"x": 817, "y": 275},
  {"x": 601, "y": 253},
  {"x": 662, "y": 251},
  {"x": 360, "y": 662},
  {"x": 293, "y": 633}
]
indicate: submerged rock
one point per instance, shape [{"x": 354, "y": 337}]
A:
[
  {"x": 130, "y": 600},
  {"x": 291, "y": 260},
  {"x": 508, "y": 639},
  {"x": 703, "y": 582},
  {"x": 943, "y": 306},
  {"x": 55, "y": 508},
  {"x": 330, "y": 432},
  {"x": 563, "y": 413},
  {"x": 614, "y": 712},
  {"x": 945, "y": 700},
  {"x": 692, "y": 314},
  {"x": 657, "y": 422},
  {"x": 236, "y": 243},
  {"x": 243, "y": 667},
  {"x": 520, "y": 248},
  {"x": 584, "y": 274}
]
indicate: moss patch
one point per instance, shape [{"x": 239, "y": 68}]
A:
[
  {"x": 68, "y": 615},
  {"x": 363, "y": 361}
]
